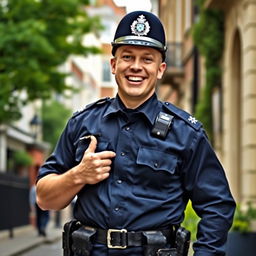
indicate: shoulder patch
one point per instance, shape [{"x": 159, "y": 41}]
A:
[
  {"x": 189, "y": 119},
  {"x": 91, "y": 105}
]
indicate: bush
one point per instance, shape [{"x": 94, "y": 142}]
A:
[
  {"x": 243, "y": 218},
  {"x": 22, "y": 158}
]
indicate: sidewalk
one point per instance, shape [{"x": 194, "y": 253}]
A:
[{"x": 26, "y": 238}]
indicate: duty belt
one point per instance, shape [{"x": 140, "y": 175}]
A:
[
  {"x": 121, "y": 238},
  {"x": 79, "y": 239}
]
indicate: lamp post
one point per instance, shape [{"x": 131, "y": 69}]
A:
[{"x": 34, "y": 124}]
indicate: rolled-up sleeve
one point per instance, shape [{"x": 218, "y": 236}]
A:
[
  {"x": 62, "y": 158},
  {"x": 208, "y": 189}
]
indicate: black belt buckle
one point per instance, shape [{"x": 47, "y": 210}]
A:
[{"x": 123, "y": 240}]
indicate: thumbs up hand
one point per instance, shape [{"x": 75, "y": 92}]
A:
[{"x": 94, "y": 167}]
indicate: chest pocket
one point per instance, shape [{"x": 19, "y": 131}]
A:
[
  {"x": 157, "y": 160},
  {"x": 84, "y": 144},
  {"x": 156, "y": 174}
]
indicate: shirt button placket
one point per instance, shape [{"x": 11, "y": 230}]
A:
[{"x": 118, "y": 204}]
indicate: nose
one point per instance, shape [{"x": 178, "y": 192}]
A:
[{"x": 136, "y": 65}]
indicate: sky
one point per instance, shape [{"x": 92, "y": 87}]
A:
[{"x": 133, "y": 5}]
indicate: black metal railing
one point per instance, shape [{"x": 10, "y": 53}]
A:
[
  {"x": 174, "y": 55},
  {"x": 14, "y": 201}
]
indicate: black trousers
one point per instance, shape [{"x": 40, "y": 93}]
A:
[{"x": 102, "y": 250}]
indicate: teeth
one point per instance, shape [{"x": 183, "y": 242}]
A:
[{"x": 135, "y": 78}]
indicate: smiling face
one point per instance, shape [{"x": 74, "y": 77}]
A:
[{"x": 136, "y": 70}]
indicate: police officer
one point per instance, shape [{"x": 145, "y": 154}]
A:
[{"x": 134, "y": 161}]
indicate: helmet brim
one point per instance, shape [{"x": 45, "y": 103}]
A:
[{"x": 139, "y": 41}]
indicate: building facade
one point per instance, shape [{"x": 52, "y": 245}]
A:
[
  {"x": 234, "y": 105},
  {"x": 239, "y": 96},
  {"x": 91, "y": 75},
  {"x": 180, "y": 82}
]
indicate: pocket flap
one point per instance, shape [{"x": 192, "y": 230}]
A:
[{"x": 157, "y": 160}]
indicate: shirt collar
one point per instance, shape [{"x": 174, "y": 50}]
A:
[{"x": 150, "y": 108}]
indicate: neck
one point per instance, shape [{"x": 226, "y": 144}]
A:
[{"x": 132, "y": 103}]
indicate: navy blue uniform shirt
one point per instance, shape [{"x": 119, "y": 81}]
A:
[{"x": 151, "y": 179}]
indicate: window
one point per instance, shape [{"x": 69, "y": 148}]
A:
[{"x": 106, "y": 71}]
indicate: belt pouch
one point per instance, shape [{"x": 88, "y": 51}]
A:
[
  {"x": 68, "y": 229},
  {"x": 82, "y": 240},
  {"x": 167, "y": 252},
  {"x": 154, "y": 241}
]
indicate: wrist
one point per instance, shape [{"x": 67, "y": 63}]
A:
[{"x": 75, "y": 177}]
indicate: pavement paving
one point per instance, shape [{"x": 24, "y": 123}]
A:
[
  {"x": 52, "y": 249},
  {"x": 26, "y": 238}
]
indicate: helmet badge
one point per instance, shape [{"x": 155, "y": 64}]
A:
[{"x": 140, "y": 27}]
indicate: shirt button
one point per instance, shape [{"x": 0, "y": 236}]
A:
[
  {"x": 116, "y": 209},
  {"x": 119, "y": 181},
  {"x": 156, "y": 165},
  {"x": 127, "y": 128},
  {"x": 122, "y": 154}
]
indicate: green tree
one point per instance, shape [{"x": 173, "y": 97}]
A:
[
  {"x": 36, "y": 37},
  {"x": 54, "y": 117}
]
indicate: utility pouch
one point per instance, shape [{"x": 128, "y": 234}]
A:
[
  {"x": 154, "y": 241},
  {"x": 69, "y": 228},
  {"x": 82, "y": 240},
  {"x": 182, "y": 241},
  {"x": 167, "y": 252}
]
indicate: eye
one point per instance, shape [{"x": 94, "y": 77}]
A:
[
  {"x": 126, "y": 57},
  {"x": 148, "y": 59}
]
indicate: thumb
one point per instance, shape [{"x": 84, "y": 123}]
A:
[{"x": 92, "y": 145}]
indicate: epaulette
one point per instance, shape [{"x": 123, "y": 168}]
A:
[
  {"x": 183, "y": 115},
  {"x": 91, "y": 105}
]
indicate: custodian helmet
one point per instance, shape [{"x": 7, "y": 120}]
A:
[{"x": 140, "y": 28}]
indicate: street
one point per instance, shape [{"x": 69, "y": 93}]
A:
[{"x": 49, "y": 249}]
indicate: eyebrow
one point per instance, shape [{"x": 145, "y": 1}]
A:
[
  {"x": 130, "y": 52},
  {"x": 125, "y": 51}
]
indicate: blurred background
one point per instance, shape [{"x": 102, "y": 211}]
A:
[{"x": 54, "y": 60}]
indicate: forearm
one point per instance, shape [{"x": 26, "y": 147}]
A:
[{"x": 55, "y": 192}]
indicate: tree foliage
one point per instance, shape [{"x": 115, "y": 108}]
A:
[
  {"x": 36, "y": 37},
  {"x": 54, "y": 116}
]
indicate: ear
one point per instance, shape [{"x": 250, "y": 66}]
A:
[
  {"x": 161, "y": 69},
  {"x": 113, "y": 65}
]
